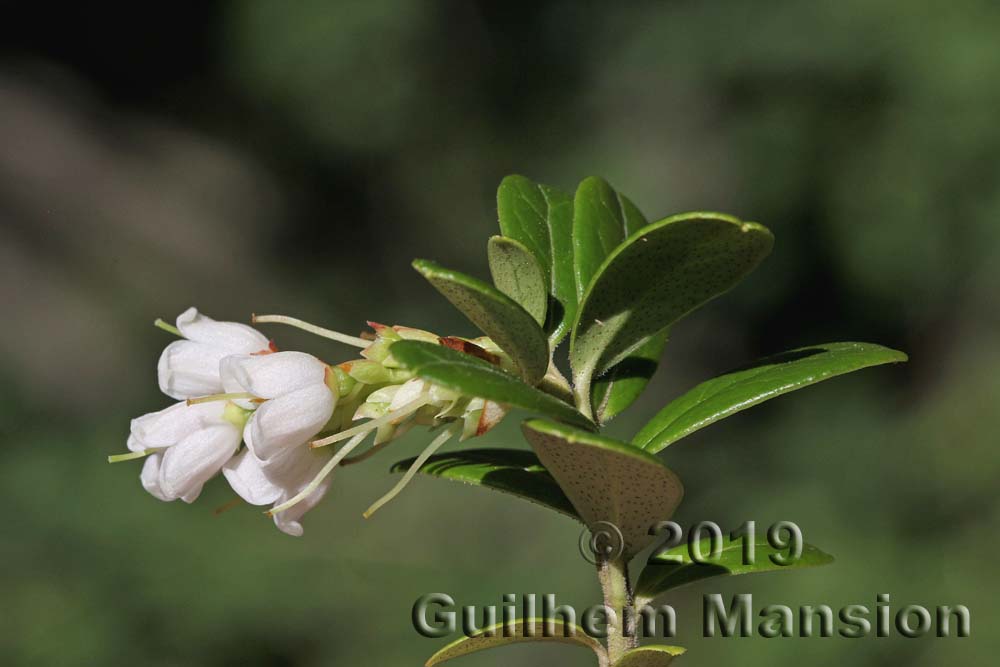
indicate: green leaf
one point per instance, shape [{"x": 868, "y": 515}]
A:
[
  {"x": 541, "y": 218},
  {"x": 519, "y": 630},
  {"x": 674, "y": 567},
  {"x": 654, "y": 655},
  {"x": 496, "y": 314},
  {"x": 474, "y": 377},
  {"x": 661, "y": 273},
  {"x": 768, "y": 378},
  {"x": 602, "y": 218},
  {"x": 517, "y": 274},
  {"x": 607, "y": 481},
  {"x": 512, "y": 471},
  {"x": 619, "y": 387}
]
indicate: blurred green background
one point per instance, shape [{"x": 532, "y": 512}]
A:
[{"x": 293, "y": 157}]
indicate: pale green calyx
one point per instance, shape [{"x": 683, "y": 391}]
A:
[{"x": 236, "y": 415}]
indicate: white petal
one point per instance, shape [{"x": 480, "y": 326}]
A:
[
  {"x": 409, "y": 392},
  {"x": 196, "y": 459},
  {"x": 271, "y": 375},
  {"x": 193, "y": 494},
  {"x": 150, "y": 477},
  {"x": 289, "y": 421},
  {"x": 171, "y": 425},
  {"x": 287, "y": 521},
  {"x": 293, "y": 472},
  {"x": 245, "y": 475},
  {"x": 278, "y": 480},
  {"x": 230, "y": 337},
  {"x": 188, "y": 370}
]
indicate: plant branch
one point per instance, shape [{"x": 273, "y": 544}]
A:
[{"x": 618, "y": 596}]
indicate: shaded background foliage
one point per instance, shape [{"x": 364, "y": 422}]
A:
[{"x": 264, "y": 156}]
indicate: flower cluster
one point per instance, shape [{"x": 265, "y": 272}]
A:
[{"x": 234, "y": 387}]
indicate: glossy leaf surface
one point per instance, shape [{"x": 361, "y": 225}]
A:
[
  {"x": 768, "y": 378},
  {"x": 512, "y": 471},
  {"x": 602, "y": 219},
  {"x": 674, "y": 567},
  {"x": 541, "y": 218}
]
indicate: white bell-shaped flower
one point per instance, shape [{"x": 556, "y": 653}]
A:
[
  {"x": 297, "y": 401},
  {"x": 278, "y": 480},
  {"x": 189, "y": 443},
  {"x": 189, "y": 368}
]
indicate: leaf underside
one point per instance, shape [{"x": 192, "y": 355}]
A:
[
  {"x": 607, "y": 480},
  {"x": 661, "y": 273},
  {"x": 518, "y": 274}
]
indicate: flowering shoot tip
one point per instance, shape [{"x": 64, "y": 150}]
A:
[
  {"x": 169, "y": 328},
  {"x": 442, "y": 438},
  {"x": 312, "y": 328}
]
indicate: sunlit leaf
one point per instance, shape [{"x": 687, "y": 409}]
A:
[
  {"x": 674, "y": 567},
  {"x": 661, "y": 273},
  {"x": 768, "y": 378},
  {"x": 541, "y": 218},
  {"x": 602, "y": 219}
]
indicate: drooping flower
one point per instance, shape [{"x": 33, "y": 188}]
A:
[
  {"x": 190, "y": 367},
  {"x": 187, "y": 445},
  {"x": 395, "y": 408},
  {"x": 278, "y": 480},
  {"x": 286, "y": 406},
  {"x": 297, "y": 401}
]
